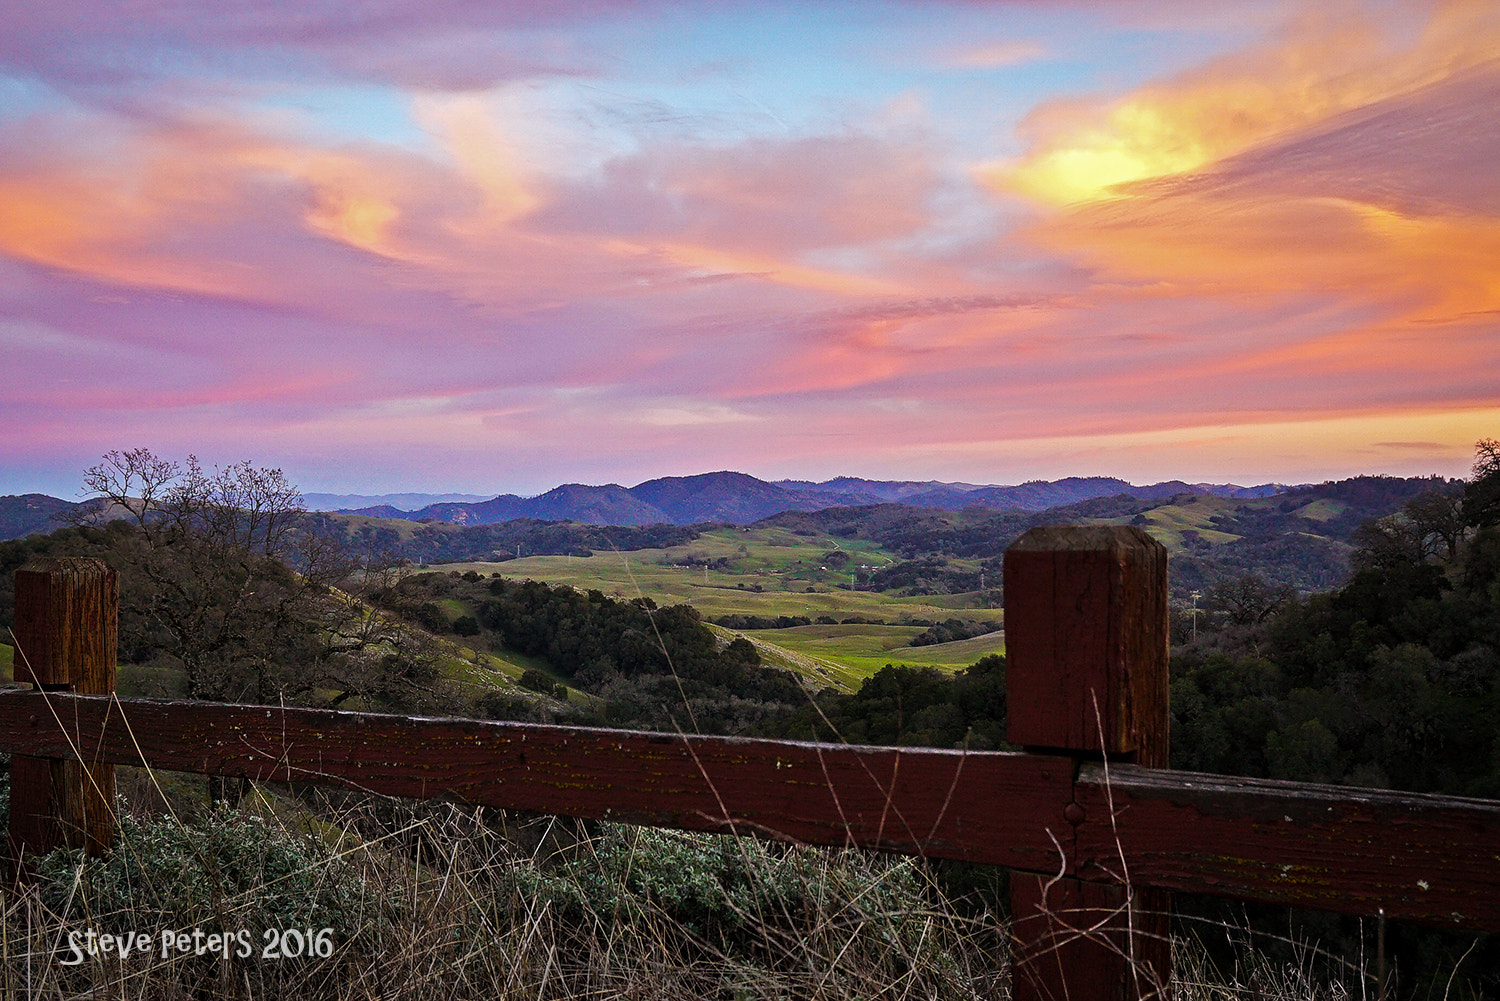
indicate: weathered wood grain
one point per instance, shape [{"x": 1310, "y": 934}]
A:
[
  {"x": 1422, "y": 858},
  {"x": 1086, "y": 641},
  {"x": 1086, "y": 674},
  {"x": 66, "y": 621},
  {"x": 988, "y": 807}
]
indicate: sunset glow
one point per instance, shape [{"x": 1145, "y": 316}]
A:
[{"x": 456, "y": 246}]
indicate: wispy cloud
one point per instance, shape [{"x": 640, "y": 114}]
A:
[{"x": 998, "y": 54}]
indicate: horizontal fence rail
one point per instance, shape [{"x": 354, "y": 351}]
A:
[
  {"x": 1424, "y": 858},
  {"x": 1098, "y": 830},
  {"x": 944, "y": 804}
]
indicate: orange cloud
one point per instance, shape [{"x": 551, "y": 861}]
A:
[
  {"x": 1330, "y": 64},
  {"x": 1334, "y": 167},
  {"x": 148, "y": 219}
]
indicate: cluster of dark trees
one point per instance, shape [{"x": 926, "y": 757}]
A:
[
  {"x": 907, "y": 706},
  {"x": 761, "y": 621},
  {"x": 738, "y": 621},
  {"x": 935, "y": 575},
  {"x": 950, "y": 630},
  {"x": 649, "y": 667},
  {"x": 1392, "y": 680}
]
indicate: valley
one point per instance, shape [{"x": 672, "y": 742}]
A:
[
  {"x": 838, "y": 592},
  {"x": 772, "y": 572}
]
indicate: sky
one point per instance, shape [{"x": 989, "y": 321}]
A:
[{"x": 493, "y": 247}]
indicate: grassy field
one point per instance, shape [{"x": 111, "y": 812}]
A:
[
  {"x": 1322, "y": 509},
  {"x": 1166, "y": 524},
  {"x": 784, "y": 566},
  {"x": 774, "y": 572},
  {"x": 846, "y": 655},
  {"x": 478, "y": 671}
]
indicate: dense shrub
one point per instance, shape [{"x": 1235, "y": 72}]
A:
[{"x": 229, "y": 871}]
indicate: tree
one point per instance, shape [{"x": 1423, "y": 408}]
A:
[
  {"x": 226, "y": 576},
  {"x": 1389, "y": 544},
  {"x": 1438, "y": 517},
  {"x": 1248, "y": 599},
  {"x": 210, "y": 566},
  {"x": 1482, "y": 493}
]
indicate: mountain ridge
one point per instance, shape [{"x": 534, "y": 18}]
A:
[
  {"x": 721, "y": 496},
  {"x": 739, "y": 498}
]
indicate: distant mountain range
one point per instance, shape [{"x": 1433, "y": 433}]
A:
[
  {"x": 740, "y": 499},
  {"x": 689, "y": 500}
]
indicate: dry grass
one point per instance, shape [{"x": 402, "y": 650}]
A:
[
  {"x": 436, "y": 901},
  {"x": 432, "y": 900}
]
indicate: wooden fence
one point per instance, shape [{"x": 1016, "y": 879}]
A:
[{"x": 1095, "y": 827}]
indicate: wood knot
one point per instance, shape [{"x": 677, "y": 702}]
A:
[{"x": 1074, "y": 814}]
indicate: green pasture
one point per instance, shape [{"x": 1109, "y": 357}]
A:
[
  {"x": 796, "y": 575},
  {"x": 1322, "y": 509},
  {"x": 7, "y": 655},
  {"x": 846, "y": 655}
]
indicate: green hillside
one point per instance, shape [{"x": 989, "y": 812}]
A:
[
  {"x": 774, "y": 571},
  {"x": 846, "y": 655},
  {"x": 761, "y": 570}
]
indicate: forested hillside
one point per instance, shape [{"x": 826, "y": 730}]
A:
[
  {"x": 1301, "y": 538},
  {"x": 644, "y": 667},
  {"x": 1391, "y": 680}
]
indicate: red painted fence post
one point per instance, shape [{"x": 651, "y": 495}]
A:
[
  {"x": 1086, "y": 653},
  {"x": 67, "y": 613}
]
